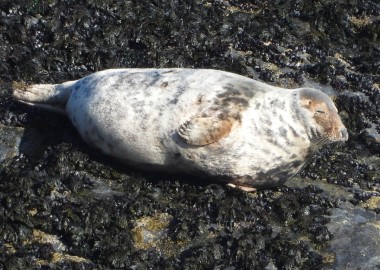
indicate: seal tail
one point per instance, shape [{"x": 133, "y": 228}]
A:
[{"x": 49, "y": 96}]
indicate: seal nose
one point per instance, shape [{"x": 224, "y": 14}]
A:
[{"x": 344, "y": 134}]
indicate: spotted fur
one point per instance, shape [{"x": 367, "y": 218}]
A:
[{"x": 206, "y": 122}]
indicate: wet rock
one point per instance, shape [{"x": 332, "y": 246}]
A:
[
  {"x": 356, "y": 238},
  {"x": 54, "y": 183},
  {"x": 10, "y": 138}
]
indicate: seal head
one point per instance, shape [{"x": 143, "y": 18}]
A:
[{"x": 321, "y": 117}]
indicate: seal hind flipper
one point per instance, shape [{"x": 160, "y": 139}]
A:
[
  {"x": 201, "y": 131},
  {"x": 48, "y": 96}
]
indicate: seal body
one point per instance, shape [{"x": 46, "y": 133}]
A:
[{"x": 197, "y": 121}]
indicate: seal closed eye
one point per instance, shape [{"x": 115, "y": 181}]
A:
[{"x": 210, "y": 123}]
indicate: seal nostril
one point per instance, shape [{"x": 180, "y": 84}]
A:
[{"x": 344, "y": 134}]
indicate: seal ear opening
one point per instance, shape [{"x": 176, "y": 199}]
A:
[{"x": 307, "y": 103}]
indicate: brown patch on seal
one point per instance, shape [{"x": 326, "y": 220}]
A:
[
  {"x": 215, "y": 122},
  {"x": 201, "y": 131}
]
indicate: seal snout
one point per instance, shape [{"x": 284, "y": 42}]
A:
[{"x": 337, "y": 132}]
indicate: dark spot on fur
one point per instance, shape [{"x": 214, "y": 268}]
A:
[
  {"x": 155, "y": 78},
  {"x": 238, "y": 90},
  {"x": 283, "y": 132},
  {"x": 237, "y": 101},
  {"x": 265, "y": 121},
  {"x": 231, "y": 91},
  {"x": 180, "y": 90},
  {"x": 167, "y": 71},
  {"x": 174, "y": 100},
  {"x": 222, "y": 116},
  {"x": 265, "y": 152},
  {"x": 237, "y": 117},
  {"x": 294, "y": 132},
  {"x": 247, "y": 91},
  {"x": 85, "y": 80},
  {"x": 164, "y": 84},
  {"x": 277, "y": 104},
  {"x": 270, "y": 136}
]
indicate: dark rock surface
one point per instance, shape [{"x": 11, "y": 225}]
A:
[{"x": 64, "y": 205}]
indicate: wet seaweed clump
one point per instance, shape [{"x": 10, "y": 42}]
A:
[
  {"x": 202, "y": 225},
  {"x": 65, "y": 205}
]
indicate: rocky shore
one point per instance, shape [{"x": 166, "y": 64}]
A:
[{"x": 64, "y": 205}]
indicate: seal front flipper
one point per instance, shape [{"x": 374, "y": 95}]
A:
[
  {"x": 48, "y": 96},
  {"x": 201, "y": 131},
  {"x": 243, "y": 188}
]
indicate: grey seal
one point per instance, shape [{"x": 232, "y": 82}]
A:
[{"x": 205, "y": 122}]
